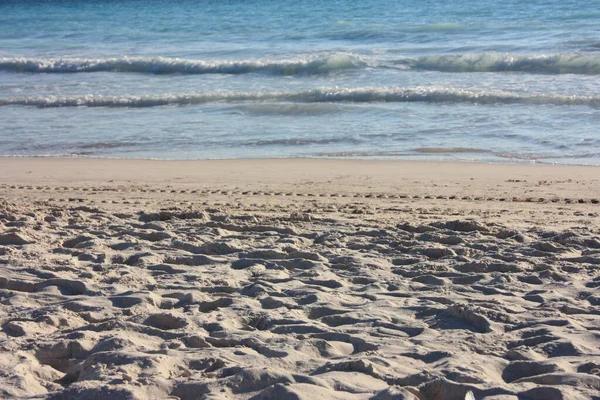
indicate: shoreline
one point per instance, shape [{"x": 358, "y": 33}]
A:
[{"x": 410, "y": 158}]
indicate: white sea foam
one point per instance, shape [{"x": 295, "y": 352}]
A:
[
  {"x": 567, "y": 63},
  {"x": 322, "y": 95},
  {"x": 164, "y": 65}
]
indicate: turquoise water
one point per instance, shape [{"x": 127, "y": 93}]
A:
[{"x": 474, "y": 80}]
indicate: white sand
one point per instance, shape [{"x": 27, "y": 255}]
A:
[{"x": 298, "y": 279}]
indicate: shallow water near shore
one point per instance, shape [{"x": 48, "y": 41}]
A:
[{"x": 388, "y": 79}]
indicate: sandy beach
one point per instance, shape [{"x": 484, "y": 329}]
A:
[{"x": 298, "y": 279}]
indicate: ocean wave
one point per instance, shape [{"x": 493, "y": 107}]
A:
[
  {"x": 448, "y": 150},
  {"x": 296, "y": 142},
  {"x": 323, "y": 95},
  {"x": 566, "y": 63},
  {"x": 106, "y": 145},
  {"x": 164, "y": 65}
]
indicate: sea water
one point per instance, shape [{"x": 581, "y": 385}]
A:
[{"x": 515, "y": 81}]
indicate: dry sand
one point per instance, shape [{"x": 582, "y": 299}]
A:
[{"x": 298, "y": 279}]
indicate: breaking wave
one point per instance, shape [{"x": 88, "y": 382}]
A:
[
  {"x": 164, "y": 65},
  {"x": 323, "y": 95},
  {"x": 567, "y": 63}
]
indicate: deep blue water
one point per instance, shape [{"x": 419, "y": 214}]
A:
[{"x": 470, "y": 80}]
